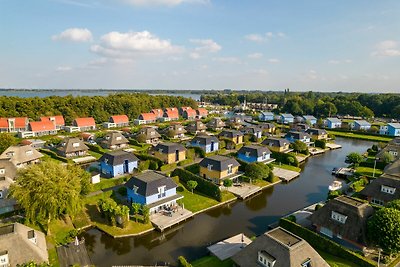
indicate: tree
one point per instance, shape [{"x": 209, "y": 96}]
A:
[
  {"x": 191, "y": 185},
  {"x": 6, "y": 140},
  {"x": 257, "y": 170},
  {"x": 135, "y": 209},
  {"x": 228, "y": 182},
  {"x": 300, "y": 147},
  {"x": 171, "y": 133},
  {"x": 145, "y": 213},
  {"x": 395, "y": 204},
  {"x": 354, "y": 158},
  {"x": 48, "y": 190},
  {"x": 123, "y": 212},
  {"x": 384, "y": 229},
  {"x": 387, "y": 157}
]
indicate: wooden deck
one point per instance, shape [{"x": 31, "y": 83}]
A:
[
  {"x": 73, "y": 254},
  {"x": 244, "y": 190},
  {"x": 332, "y": 146},
  {"x": 162, "y": 222},
  {"x": 285, "y": 175},
  {"x": 229, "y": 247}
]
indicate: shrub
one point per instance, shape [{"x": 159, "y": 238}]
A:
[
  {"x": 300, "y": 147},
  {"x": 320, "y": 143},
  {"x": 53, "y": 155},
  {"x": 144, "y": 165},
  {"x": 185, "y": 162},
  {"x": 153, "y": 165},
  {"x": 199, "y": 152},
  {"x": 291, "y": 218},
  {"x": 182, "y": 262},
  {"x": 285, "y": 158},
  {"x": 257, "y": 170},
  {"x": 122, "y": 191},
  {"x": 168, "y": 167},
  {"x": 194, "y": 168},
  {"x": 143, "y": 156},
  {"x": 95, "y": 148},
  {"x": 228, "y": 183}
]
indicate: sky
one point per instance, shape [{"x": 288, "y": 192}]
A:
[{"x": 304, "y": 45}]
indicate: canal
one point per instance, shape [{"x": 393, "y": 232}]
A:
[{"x": 251, "y": 216}]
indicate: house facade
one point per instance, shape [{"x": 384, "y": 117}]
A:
[
  {"x": 254, "y": 153},
  {"x": 252, "y": 131},
  {"x": 170, "y": 152},
  {"x": 218, "y": 168},
  {"x": 393, "y": 129},
  {"x": 317, "y": 134},
  {"x": 235, "y": 136},
  {"x": 235, "y": 122},
  {"x": 151, "y": 135},
  {"x": 196, "y": 127},
  {"x": 293, "y": 136},
  {"x": 201, "y": 113},
  {"x": 85, "y": 124},
  {"x": 333, "y": 123},
  {"x": 13, "y": 125},
  {"x": 170, "y": 114},
  {"x": 309, "y": 119},
  {"x": 393, "y": 148},
  {"x": 118, "y": 163},
  {"x": 189, "y": 114},
  {"x": 72, "y": 147},
  {"x": 114, "y": 140},
  {"x": 360, "y": 125},
  {"x": 117, "y": 121},
  {"x": 277, "y": 144},
  {"x": 57, "y": 119},
  {"x": 175, "y": 131},
  {"x": 286, "y": 118},
  {"x": 382, "y": 190},
  {"x": 146, "y": 118},
  {"x": 207, "y": 143},
  {"x": 266, "y": 116},
  {"x": 268, "y": 128},
  {"x": 39, "y": 128}
]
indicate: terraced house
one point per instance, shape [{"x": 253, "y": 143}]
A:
[
  {"x": 12, "y": 125},
  {"x": 85, "y": 124},
  {"x": 57, "y": 119},
  {"x": 170, "y": 152},
  {"x": 39, "y": 128},
  {"x": 146, "y": 118},
  {"x": 218, "y": 168},
  {"x": 117, "y": 121}
]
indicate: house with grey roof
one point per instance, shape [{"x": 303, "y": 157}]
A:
[
  {"x": 175, "y": 131},
  {"x": 235, "y": 137},
  {"x": 317, "y": 134},
  {"x": 218, "y": 168},
  {"x": 393, "y": 148},
  {"x": 216, "y": 124},
  {"x": 118, "y": 163},
  {"x": 333, "y": 123},
  {"x": 72, "y": 147},
  {"x": 253, "y": 131},
  {"x": 343, "y": 218},
  {"x": 267, "y": 127},
  {"x": 300, "y": 127},
  {"x": 21, "y": 156},
  {"x": 21, "y": 244},
  {"x": 255, "y": 153},
  {"x": 114, "y": 140},
  {"x": 277, "y": 144},
  {"x": 235, "y": 122},
  {"x": 278, "y": 248},
  {"x": 266, "y": 116},
  {"x": 382, "y": 190},
  {"x": 360, "y": 125},
  {"x": 196, "y": 127},
  {"x": 286, "y": 118},
  {"x": 153, "y": 189},
  {"x": 150, "y": 135},
  {"x": 293, "y": 136},
  {"x": 208, "y": 143},
  {"x": 309, "y": 119},
  {"x": 170, "y": 152}
]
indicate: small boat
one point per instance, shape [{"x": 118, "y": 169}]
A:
[
  {"x": 336, "y": 185},
  {"x": 334, "y": 171}
]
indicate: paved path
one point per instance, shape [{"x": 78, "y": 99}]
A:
[
  {"x": 229, "y": 247},
  {"x": 285, "y": 175}
]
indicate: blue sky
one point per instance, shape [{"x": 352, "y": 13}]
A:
[{"x": 303, "y": 45}]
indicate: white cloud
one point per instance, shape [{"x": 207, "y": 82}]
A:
[
  {"x": 63, "y": 68},
  {"x": 337, "y": 61},
  {"x": 388, "y": 48},
  {"x": 255, "y": 55},
  {"x": 273, "y": 60},
  {"x": 74, "y": 35},
  {"x": 256, "y": 37},
  {"x": 206, "y": 45},
  {"x": 226, "y": 59},
  {"x": 163, "y": 2}
]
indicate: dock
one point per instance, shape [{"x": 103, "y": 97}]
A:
[
  {"x": 74, "y": 253},
  {"x": 344, "y": 172},
  {"x": 333, "y": 146},
  {"x": 316, "y": 151},
  {"x": 285, "y": 175},
  {"x": 229, "y": 247},
  {"x": 244, "y": 190},
  {"x": 162, "y": 221}
]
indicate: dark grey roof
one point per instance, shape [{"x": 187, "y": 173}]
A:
[
  {"x": 204, "y": 139},
  {"x": 300, "y": 127},
  {"x": 230, "y": 133},
  {"x": 118, "y": 157},
  {"x": 393, "y": 169},
  {"x": 334, "y": 120},
  {"x": 297, "y": 135},
  {"x": 251, "y": 130},
  {"x": 275, "y": 142},
  {"x": 314, "y": 131},
  {"x": 218, "y": 163},
  {"x": 392, "y": 146},
  {"x": 374, "y": 189},
  {"x": 216, "y": 123},
  {"x": 254, "y": 150},
  {"x": 169, "y": 148},
  {"x": 362, "y": 123},
  {"x": 147, "y": 183},
  {"x": 309, "y": 117},
  {"x": 287, "y": 115}
]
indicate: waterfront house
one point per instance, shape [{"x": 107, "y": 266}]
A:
[
  {"x": 360, "y": 125},
  {"x": 201, "y": 113},
  {"x": 277, "y": 144},
  {"x": 117, "y": 121},
  {"x": 58, "y": 120},
  {"x": 382, "y": 190},
  {"x": 150, "y": 134},
  {"x": 299, "y": 127},
  {"x": 384, "y": 130},
  {"x": 170, "y": 114},
  {"x": 189, "y": 114},
  {"x": 72, "y": 147},
  {"x": 196, "y": 127},
  {"x": 146, "y": 118},
  {"x": 333, "y": 123},
  {"x": 114, "y": 140},
  {"x": 170, "y": 152},
  {"x": 278, "y": 248},
  {"x": 117, "y": 163},
  {"x": 12, "y": 125},
  {"x": 235, "y": 122},
  {"x": 393, "y": 129},
  {"x": 85, "y": 124},
  {"x": 175, "y": 131},
  {"x": 20, "y": 244},
  {"x": 317, "y": 134},
  {"x": 255, "y": 153},
  {"x": 286, "y": 118},
  {"x": 252, "y": 131},
  {"x": 309, "y": 119},
  {"x": 267, "y": 127},
  {"x": 344, "y": 218},
  {"x": 39, "y": 128},
  {"x": 158, "y": 112},
  {"x": 234, "y": 136},
  {"x": 266, "y": 116},
  {"x": 216, "y": 124},
  {"x": 206, "y": 142},
  {"x": 218, "y": 168},
  {"x": 153, "y": 189},
  {"x": 293, "y": 136},
  {"x": 393, "y": 148}
]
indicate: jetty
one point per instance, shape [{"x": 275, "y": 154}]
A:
[
  {"x": 285, "y": 175},
  {"x": 229, "y": 247},
  {"x": 162, "y": 221},
  {"x": 343, "y": 172},
  {"x": 333, "y": 146},
  {"x": 243, "y": 190}
]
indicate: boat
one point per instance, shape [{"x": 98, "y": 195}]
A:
[
  {"x": 334, "y": 171},
  {"x": 336, "y": 185}
]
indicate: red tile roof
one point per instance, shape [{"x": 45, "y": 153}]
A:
[
  {"x": 186, "y": 108},
  {"x": 59, "y": 119},
  {"x": 119, "y": 119},
  {"x": 158, "y": 111},
  {"x": 147, "y": 116},
  {"x": 20, "y": 122},
  {"x": 84, "y": 122},
  {"x": 170, "y": 109},
  {"x": 86, "y": 136},
  {"x": 202, "y": 111},
  {"x": 190, "y": 112},
  {"x": 41, "y": 126},
  {"x": 172, "y": 114},
  {"x": 3, "y": 123}
]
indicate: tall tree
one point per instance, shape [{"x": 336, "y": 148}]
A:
[{"x": 6, "y": 140}]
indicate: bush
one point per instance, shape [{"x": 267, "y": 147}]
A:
[
  {"x": 143, "y": 165},
  {"x": 53, "y": 155},
  {"x": 199, "y": 152},
  {"x": 291, "y": 218},
  {"x": 318, "y": 206},
  {"x": 334, "y": 194},
  {"x": 203, "y": 186},
  {"x": 168, "y": 167},
  {"x": 228, "y": 183},
  {"x": 143, "y": 156},
  {"x": 243, "y": 165},
  {"x": 95, "y": 148},
  {"x": 182, "y": 262},
  {"x": 194, "y": 168},
  {"x": 185, "y": 162},
  {"x": 285, "y": 158},
  {"x": 153, "y": 165},
  {"x": 300, "y": 147},
  {"x": 122, "y": 191},
  {"x": 257, "y": 170},
  {"x": 320, "y": 143}
]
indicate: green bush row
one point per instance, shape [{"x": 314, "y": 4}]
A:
[
  {"x": 53, "y": 155},
  {"x": 320, "y": 143},
  {"x": 285, "y": 158},
  {"x": 322, "y": 243},
  {"x": 379, "y": 165},
  {"x": 203, "y": 186},
  {"x": 95, "y": 148},
  {"x": 134, "y": 142},
  {"x": 168, "y": 167},
  {"x": 194, "y": 168},
  {"x": 185, "y": 162},
  {"x": 143, "y": 156}
]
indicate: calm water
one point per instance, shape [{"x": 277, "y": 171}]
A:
[{"x": 251, "y": 217}]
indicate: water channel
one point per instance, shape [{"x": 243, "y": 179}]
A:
[{"x": 251, "y": 217}]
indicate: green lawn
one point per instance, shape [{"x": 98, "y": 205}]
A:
[
  {"x": 287, "y": 167},
  {"x": 361, "y": 136},
  {"x": 212, "y": 261},
  {"x": 106, "y": 183},
  {"x": 336, "y": 261},
  {"x": 367, "y": 171},
  {"x": 95, "y": 154}
]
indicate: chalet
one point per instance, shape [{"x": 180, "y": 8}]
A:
[
  {"x": 344, "y": 218},
  {"x": 277, "y": 144},
  {"x": 218, "y": 168},
  {"x": 39, "y": 128},
  {"x": 196, "y": 127},
  {"x": 72, "y": 147},
  {"x": 175, "y": 131},
  {"x": 117, "y": 121},
  {"x": 393, "y": 148},
  {"x": 216, "y": 124},
  {"x": 189, "y": 114},
  {"x": 299, "y": 127},
  {"x": 117, "y": 163},
  {"x": 255, "y": 153},
  {"x": 85, "y": 124},
  {"x": 158, "y": 112},
  {"x": 235, "y": 122},
  {"x": 21, "y": 156},
  {"x": 293, "y": 136},
  {"x": 58, "y": 120},
  {"x": 153, "y": 189},
  {"x": 382, "y": 190},
  {"x": 333, "y": 123},
  {"x": 13, "y": 125},
  {"x": 170, "y": 152},
  {"x": 393, "y": 129},
  {"x": 21, "y": 244},
  {"x": 278, "y": 248},
  {"x": 7, "y": 204},
  {"x": 317, "y": 134},
  {"x": 146, "y": 118},
  {"x": 309, "y": 119},
  {"x": 360, "y": 125},
  {"x": 114, "y": 140},
  {"x": 201, "y": 113},
  {"x": 286, "y": 118},
  {"x": 232, "y": 135},
  {"x": 150, "y": 135},
  {"x": 206, "y": 142},
  {"x": 266, "y": 116},
  {"x": 268, "y": 128},
  {"x": 252, "y": 131}
]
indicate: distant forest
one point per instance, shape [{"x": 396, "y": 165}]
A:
[
  {"x": 99, "y": 107},
  {"x": 318, "y": 104}
]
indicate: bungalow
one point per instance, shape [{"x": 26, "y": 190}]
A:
[
  {"x": 85, "y": 124},
  {"x": 175, "y": 131},
  {"x": 268, "y": 127},
  {"x": 114, "y": 140},
  {"x": 118, "y": 163},
  {"x": 35, "y": 143},
  {"x": 181, "y": 110},
  {"x": 13, "y": 125},
  {"x": 286, "y": 118},
  {"x": 344, "y": 218},
  {"x": 293, "y": 136},
  {"x": 266, "y": 116},
  {"x": 170, "y": 114},
  {"x": 235, "y": 122},
  {"x": 317, "y": 134},
  {"x": 393, "y": 148},
  {"x": 39, "y": 128},
  {"x": 310, "y": 119},
  {"x": 232, "y": 135},
  {"x": 218, "y": 168},
  {"x": 58, "y": 121},
  {"x": 153, "y": 189},
  {"x": 116, "y": 121},
  {"x": 146, "y": 118},
  {"x": 277, "y": 144},
  {"x": 196, "y": 127},
  {"x": 333, "y": 123},
  {"x": 158, "y": 112},
  {"x": 21, "y": 244},
  {"x": 360, "y": 125},
  {"x": 170, "y": 152},
  {"x": 72, "y": 147},
  {"x": 299, "y": 127},
  {"x": 201, "y": 113},
  {"x": 280, "y": 248},
  {"x": 216, "y": 124},
  {"x": 252, "y": 131},
  {"x": 21, "y": 156},
  {"x": 255, "y": 153},
  {"x": 206, "y": 142},
  {"x": 394, "y": 129},
  {"x": 189, "y": 114},
  {"x": 150, "y": 134},
  {"x": 382, "y": 190}
]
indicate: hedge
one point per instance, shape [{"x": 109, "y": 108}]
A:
[
  {"x": 136, "y": 143},
  {"x": 53, "y": 155},
  {"x": 284, "y": 158},
  {"x": 185, "y": 162},
  {"x": 319, "y": 242},
  {"x": 143, "y": 156},
  {"x": 168, "y": 167},
  {"x": 243, "y": 165},
  {"x": 379, "y": 164},
  {"x": 199, "y": 151},
  {"x": 194, "y": 168},
  {"x": 95, "y": 148},
  {"x": 320, "y": 143},
  {"x": 203, "y": 186}
]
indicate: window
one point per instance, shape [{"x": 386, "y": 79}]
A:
[
  {"x": 135, "y": 189},
  {"x": 339, "y": 217},
  {"x": 2, "y": 171},
  {"x": 118, "y": 138},
  {"x": 377, "y": 202},
  {"x": 209, "y": 167},
  {"x": 29, "y": 152},
  {"x": 75, "y": 145},
  {"x": 265, "y": 259},
  {"x": 1, "y": 194},
  {"x": 388, "y": 189},
  {"x": 4, "y": 262},
  {"x": 247, "y": 154},
  {"x": 161, "y": 192},
  {"x": 306, "y": 263},
  {"x": 230, "y": 169},
  {"x": 264, "y": 155}
]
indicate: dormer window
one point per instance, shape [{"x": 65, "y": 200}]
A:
[
  {"x": 230, "y": 169},
  {"x": 4, "y": 261},
  {"x": 75, "y": 145},
  {"x": 339, "y": 217},
  {"x": 306, "y": 263},
  {"x": 32, "y": 236},
  {"x": 161, "y": 192},
  {"x": 135, "y": 189},
  {"x": 388, "y": 189},
  {"x": 118, "y": 138},
  {"x": 264, "y": 155},
  {"x": 2, "y": 171},
  {"x": 265, "y": 259},
  {"x": 247, "y": 154},
  {"x": 209, "y": 167},
  {"x": 29, "y": 152}
]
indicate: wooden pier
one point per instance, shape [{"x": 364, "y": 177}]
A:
[
  {"x": 285, "y": 175},
  {"x": 229, "y": 247},
  {"x": 162, "y": 221}
]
